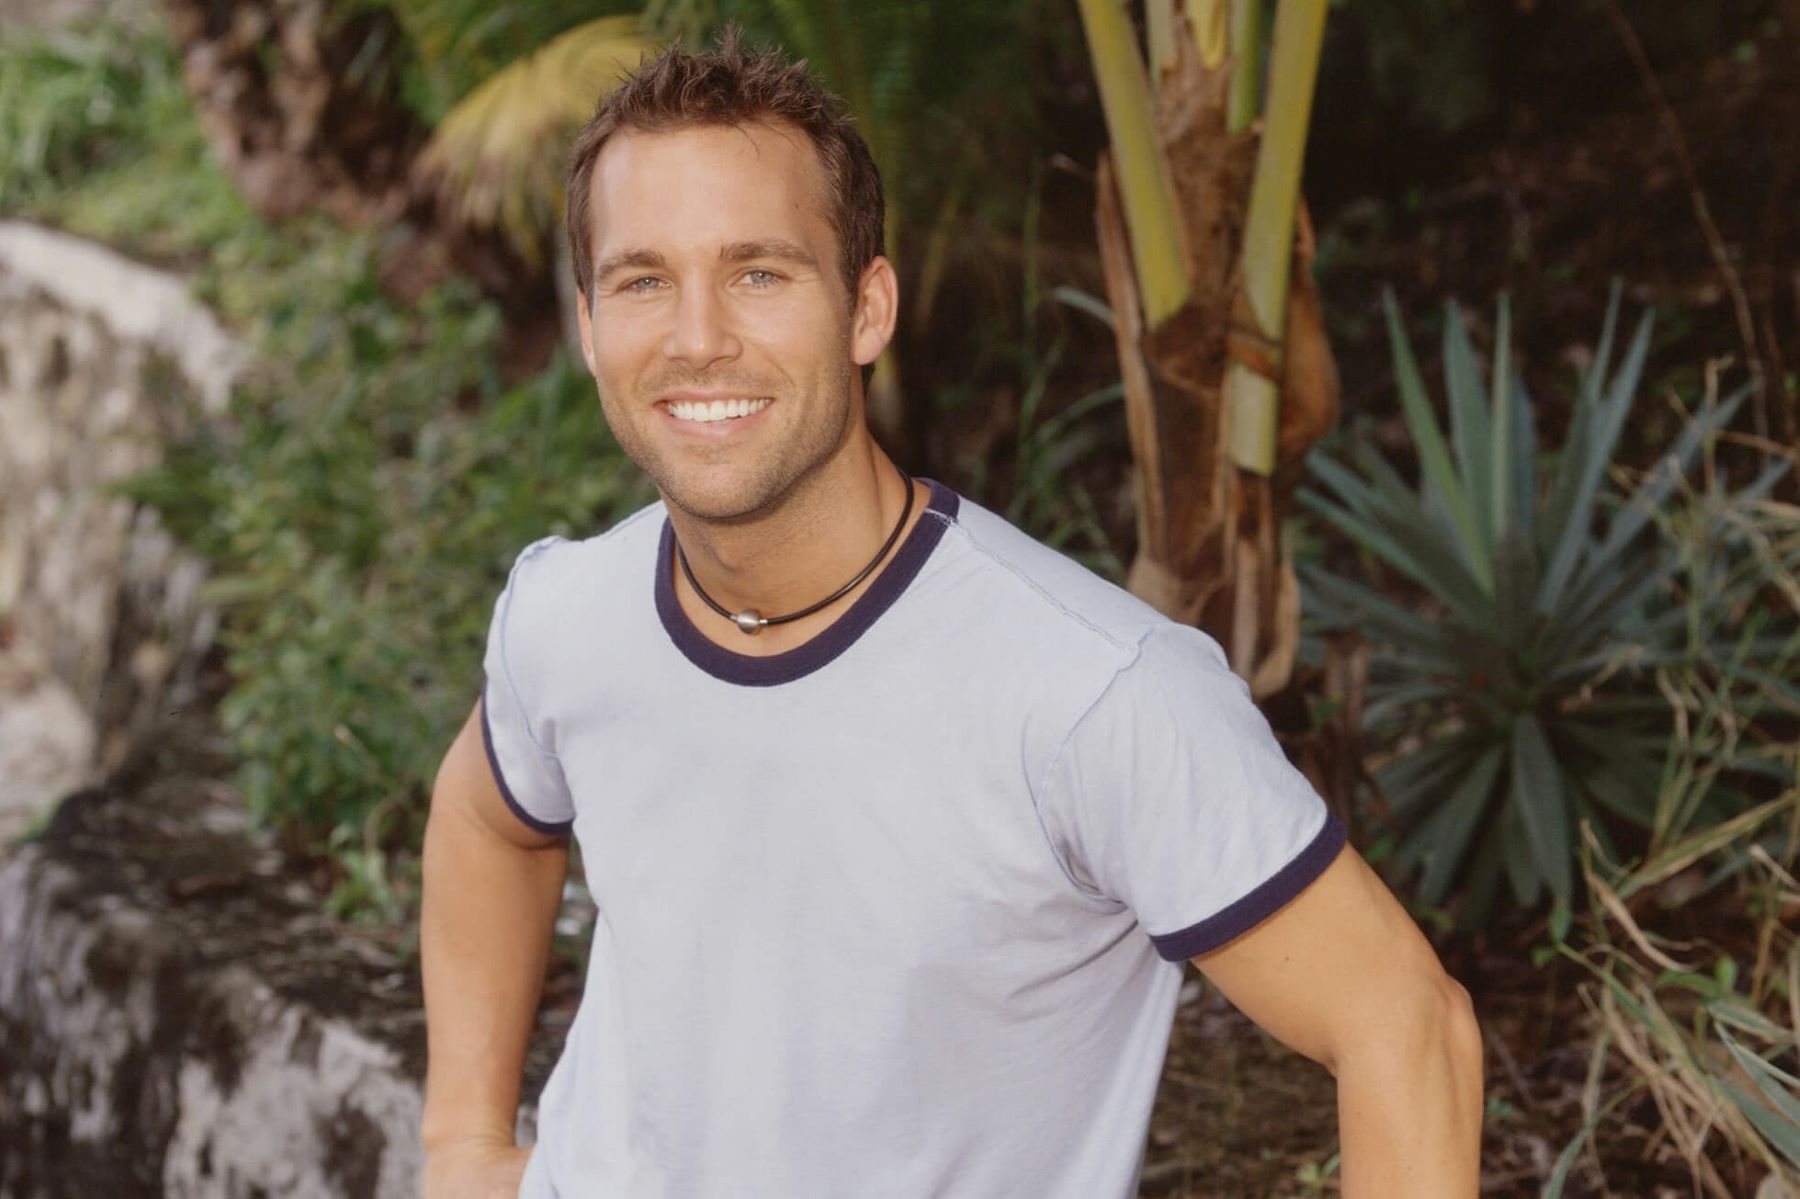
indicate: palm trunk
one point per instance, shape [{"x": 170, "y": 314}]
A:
[{"x": 1232, "y": 352}]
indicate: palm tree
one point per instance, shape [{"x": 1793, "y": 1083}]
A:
[
  {"x": 1227, "y": 375},
  {"x": 328, "y": 129}
]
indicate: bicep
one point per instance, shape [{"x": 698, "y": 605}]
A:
[
  {"x": 1333, "y": 968},
  {"x": 466, "y": 789}
]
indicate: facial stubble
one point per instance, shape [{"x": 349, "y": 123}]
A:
[{"x": 783, "y": 471}]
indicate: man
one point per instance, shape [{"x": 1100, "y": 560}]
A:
[{"x": 900, "y": 824}]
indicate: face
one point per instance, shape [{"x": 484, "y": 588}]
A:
[{"x": 717, "y": 326}]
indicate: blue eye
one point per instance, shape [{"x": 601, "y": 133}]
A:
[
  {"x": 762, "y": 278},
  {"x": 637, "y": 284}
]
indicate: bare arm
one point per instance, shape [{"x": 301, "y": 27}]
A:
[
  {"x": 491, "y": 891},
  {"x": 1342, "y": 975}
]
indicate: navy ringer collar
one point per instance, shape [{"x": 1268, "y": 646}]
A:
[{"x": 752, "y": 671}]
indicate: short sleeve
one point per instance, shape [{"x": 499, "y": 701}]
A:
[
  {"x": 1172, "y": 796},
  {"x": 530, "y": 777}
]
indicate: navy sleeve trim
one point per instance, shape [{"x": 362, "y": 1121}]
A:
[
  {"x": 552, "y": 828},
  {"x": 1264, "y": 901}
]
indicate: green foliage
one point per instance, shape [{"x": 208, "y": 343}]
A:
[
  {"x": 374, "y": 479},
  {"x": 499, "y": 157},
  {"x": 1733, "y": 591},
  {"x": 1715, "y": 1044},
  {"x": 1045, "y": 499},
  {"x": 1524, "y": 698},
  {"x": 78, "y": 101},
  {"x": 101, "y": 140},
  {"x": 361, "y": 525},
  {"x": 1711, "y": 1030},
  {"x": 918, "y": 77},
  {"x": 456, "y": 44}
]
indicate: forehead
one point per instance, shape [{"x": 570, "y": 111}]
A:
[{"x": 720, "y": 183}]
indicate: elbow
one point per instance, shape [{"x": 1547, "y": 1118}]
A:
[
  {"x": 1460, "y": 1030},
  {"x": 1427, "y": 1025}
]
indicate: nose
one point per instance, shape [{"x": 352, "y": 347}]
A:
[{"x": 701, "y": 334}]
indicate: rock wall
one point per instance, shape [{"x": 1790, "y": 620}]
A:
[
  {"x": 175, "y": 1021},
  {"x": 102, "y": 360},
  {"x": 177, "y": 1017}
]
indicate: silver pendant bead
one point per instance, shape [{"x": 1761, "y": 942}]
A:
[{"x": 748, "y": 622}]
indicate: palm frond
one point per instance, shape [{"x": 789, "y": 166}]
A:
[{"x": 497, "y": 158}]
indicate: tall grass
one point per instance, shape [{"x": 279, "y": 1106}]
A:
[{"x": 1706, "y": 1025}]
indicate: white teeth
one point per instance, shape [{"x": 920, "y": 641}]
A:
[{"x": 714, "y": 410}]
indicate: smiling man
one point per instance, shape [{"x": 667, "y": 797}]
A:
[{"x": 902, "y": 827}]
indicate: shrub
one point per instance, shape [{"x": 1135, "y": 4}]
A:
[
  {"x": 77, "y": 100},
  {"x": 1715, "y": 1045},
  {"x": 1521, "y": 696},
  {"x": 1709, "y": 1029},
  {"x": 359, "y": 512}
]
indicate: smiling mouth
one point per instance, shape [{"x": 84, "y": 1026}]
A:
[{"x": 711, "y": 411}]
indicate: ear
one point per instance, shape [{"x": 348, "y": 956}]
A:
[
  {"x": 877, "y": 307},
  {"x": 586, "y": 323}
]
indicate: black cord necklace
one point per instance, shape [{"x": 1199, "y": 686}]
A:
[{"x": 751, "y": 622}]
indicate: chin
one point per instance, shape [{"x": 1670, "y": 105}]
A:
[{"x": 719, "y": 497}]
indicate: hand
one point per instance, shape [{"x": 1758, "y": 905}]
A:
[{"x": 475, "y": 1170}]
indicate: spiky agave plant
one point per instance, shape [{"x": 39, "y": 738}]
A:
[{"x": 1520, "y": 698}]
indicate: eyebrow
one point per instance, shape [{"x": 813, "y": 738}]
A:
[
  {"x": 776, "y": 248},
  {"x": 633, "y": 259}
]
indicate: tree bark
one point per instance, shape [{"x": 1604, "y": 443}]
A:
[
  {"x": 300, "y": 106},
  {"x": 1209, "y": 544}
]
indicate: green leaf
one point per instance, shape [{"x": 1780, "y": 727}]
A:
[
  {"x": 1421, "y": 529},
  {"x": 1524, "y": 458},
  {"x": 1446, "y": 834},
  {"x": 1559, "y": 922},
  {"x": 1378, "y": 617},
  {"x": 1390, "y": 701},
  {"x": 1470, "y": 425},
  {"x": 1539, "y": 795},
  {"x": 1515, "y": 583},
  {"x": 1734, "y": 1011},
  {"x": 1434, "y": 454},
  {"x": 1500, "y": 423},
  {"x": 1602, "y": 427},
  {"x": 1653, "y": 492},
  {"x": 1412, "y": 552},
  {"x": 1780, "y": 1132},
  {"x": 1597, "y": 615},
  {"x": 1083, "y": 301},
  {"x": 1353, "y": 493},
  {"x": 1409, "y": 780},
  {"x": 1521, "y": 863}
]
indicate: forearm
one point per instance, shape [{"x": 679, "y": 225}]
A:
[
  {"x": 1410, "y": 1107},
  {"x": 488, "y": 912}
]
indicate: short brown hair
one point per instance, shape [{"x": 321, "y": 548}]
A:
[{"x": 731, "y": 86}]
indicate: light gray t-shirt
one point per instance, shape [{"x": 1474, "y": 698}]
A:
[{"x": 902, "y": 911}]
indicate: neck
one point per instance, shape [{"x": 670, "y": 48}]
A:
[{"x": 800, "y": 551}]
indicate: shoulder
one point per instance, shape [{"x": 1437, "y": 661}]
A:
[
  {"x": 557, "y": 575},
  {"x": 1071, "y": 650},
  {"x": 1031, "y": 585},
  {"x": 559, "y": 558}
]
